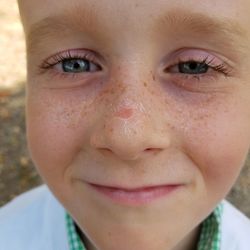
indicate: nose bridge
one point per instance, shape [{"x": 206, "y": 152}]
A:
[
  {"x": 128, "y": 105},
  {"x": 129, "y": 95}
]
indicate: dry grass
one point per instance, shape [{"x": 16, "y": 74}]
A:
[{"x": 12, "y": 48}]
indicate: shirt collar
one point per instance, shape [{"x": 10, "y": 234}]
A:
[
  {"x": 74, "y": 239},
  {"x": 210, "y": 237}
]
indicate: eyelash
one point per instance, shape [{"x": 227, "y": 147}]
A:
[
  {"x": 89, "y": 56},
  {"x": 49, "y": 63},
  {"x": 218, "y": 67}
]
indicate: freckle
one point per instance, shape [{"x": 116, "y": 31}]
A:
[
  {"x": 170, "y": 126},
  {"x": 153, "y": 77},
  {"x": 122, "y": 88},
  {"x": 166, "y": 101},
  {"x": 145, "y": 84},
  {"x": 104, "y": 92},
  {"x": 152, "y": 92}
]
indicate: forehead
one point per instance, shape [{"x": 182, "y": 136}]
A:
[
  {"x": 114, "y": 21},
  {"x": 139, "y": 11}
]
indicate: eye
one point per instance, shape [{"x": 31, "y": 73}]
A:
[
  {"x": 72, "y": 62},
  {"x": 193, "y": 67},
  {"x": 78, "y": 66},
  {"x": 196, "y": 70},
  {"x": 199, "y": 67}
]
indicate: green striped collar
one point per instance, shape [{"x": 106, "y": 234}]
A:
[
  {"x": 210, "y": 238},
  {"x": 74, "y": 240}
]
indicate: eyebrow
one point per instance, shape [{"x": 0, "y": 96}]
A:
[
  {"x": 226, "y": 32},
  {"x": 62, "y": 24},
  {"x": 203, "y": 23}
]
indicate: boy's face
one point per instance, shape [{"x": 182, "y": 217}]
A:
[{"x": 133, "y": 94}]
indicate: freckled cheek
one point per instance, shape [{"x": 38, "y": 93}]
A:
[
  {"x": 217, "y": 146},
  {"x": 56, "y": 133}
]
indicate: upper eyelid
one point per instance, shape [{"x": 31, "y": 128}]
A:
[
  {"x": 182, "y": 55},
  {"x": 196, "y": 53},
  {"x": 73, "y": 53},
  {"x": 208, "y": 61},
  {"x": 185, "y": 57},
  {"x": 180, "y": 60}
]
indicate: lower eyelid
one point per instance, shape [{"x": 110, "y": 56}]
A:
[
  {"x": 56, "y": 79},
  {"x": 197, "y": 84}
]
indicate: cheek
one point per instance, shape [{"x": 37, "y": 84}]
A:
[
  {"x": 218, "y": 142},
  {"x": 54, "y": 136}
]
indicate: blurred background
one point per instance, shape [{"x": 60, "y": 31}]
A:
[{"x": 17, "y": 173}]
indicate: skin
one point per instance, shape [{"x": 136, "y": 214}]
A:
[{"x": 138, "y": 121}]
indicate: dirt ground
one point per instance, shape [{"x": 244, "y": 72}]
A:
[{"x": 17, "y": 172}]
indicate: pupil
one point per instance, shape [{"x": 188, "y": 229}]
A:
[
  {"x": 192, "y": 65},
  {"x": 76, "y": 65}
]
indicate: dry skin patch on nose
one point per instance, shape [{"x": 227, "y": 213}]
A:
[{"x": 124, "y": 113}]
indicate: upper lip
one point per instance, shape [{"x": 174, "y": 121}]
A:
[{"x": 139, "y": 188}]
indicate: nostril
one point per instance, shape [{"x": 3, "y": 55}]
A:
[
  {"x": 105, "y": 149},
  {"x": 153, "y": 150}
]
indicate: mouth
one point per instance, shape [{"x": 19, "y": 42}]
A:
[{"x": 135, "y": 196}]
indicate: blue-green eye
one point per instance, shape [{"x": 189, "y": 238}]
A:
[
  {"x": 78, "y": 65},
  {"x": 193, "y": 67}
]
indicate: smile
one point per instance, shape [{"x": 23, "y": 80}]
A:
[{"x": 137, "y": 196}]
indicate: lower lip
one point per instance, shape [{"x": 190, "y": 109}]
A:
[{"x": 138, "y": 196}]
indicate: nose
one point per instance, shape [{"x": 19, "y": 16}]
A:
[{"x": 130, "y": 127}]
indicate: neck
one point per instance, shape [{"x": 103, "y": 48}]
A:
[
  {"x": 88, "y": 245},
  {"x": 188, "y": 243}
]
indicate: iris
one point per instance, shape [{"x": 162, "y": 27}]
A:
[{"x": 75, "y": 65}]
